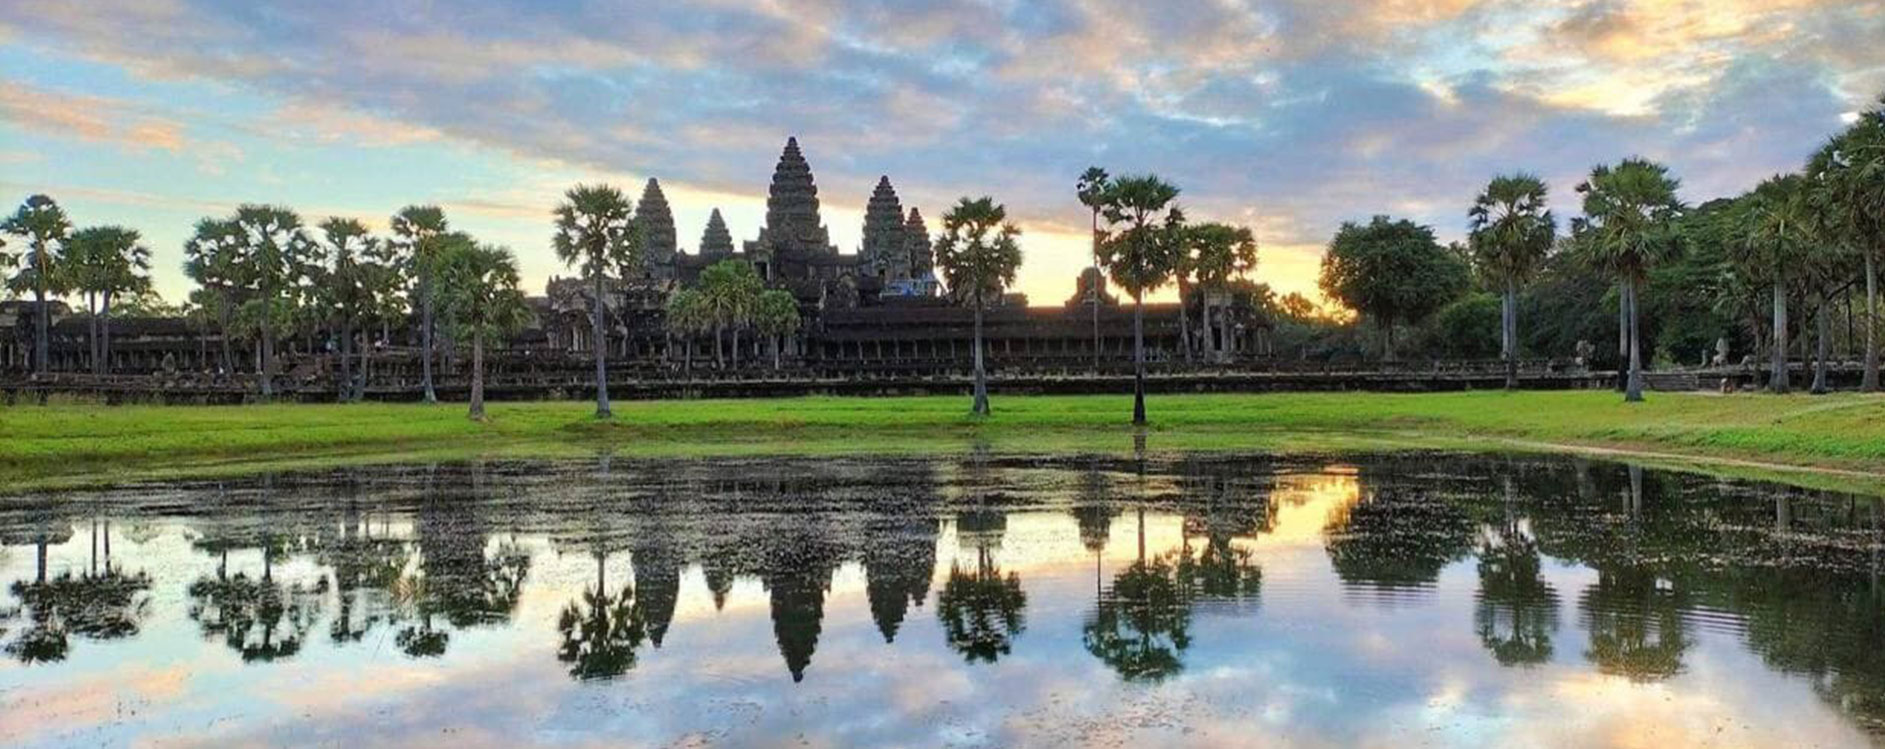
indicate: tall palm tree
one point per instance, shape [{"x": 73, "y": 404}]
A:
[
  {"x": 349, "y": 287},
  {"x": 279, "y": 258},
  {"x": 978, "y": 252},
  {"x": 1141, "y": 255},
  {"x": 595, "y": 229},
  {"x": 777, "y": 315},
  {"x": 213, "y": 258},
  {"x": 1512, "y": 231},
  {"x": 104, "y": 262},
  {"x": 478, "y": 285},
  {"x": 1092, "y": 191},
  {"x": 43, "y": 225},
  {"x": 687, "y": 318},
  {"x": 1851, "y": 170},
  {"x": 419, "y": 233},
  {"x": 1779, "y": 227},
  {"x": 1220, "y": 255},
  {"x": 730, "y": 292},
  {"x": 1627, "y": 227}
]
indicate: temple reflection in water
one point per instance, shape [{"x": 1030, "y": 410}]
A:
[{"x": 1152, "y": 570}]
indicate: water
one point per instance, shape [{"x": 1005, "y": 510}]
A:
[{"x": 1417, "y": 599}]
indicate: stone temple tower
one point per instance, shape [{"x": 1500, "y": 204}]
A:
[
  {"x": 716, "y": 241},
  {"x": 655, "y": 221},
  {"x": 885, "y": 253},
  {"x": 794, "y": 241},
  {"x": 916, "y": 236}
]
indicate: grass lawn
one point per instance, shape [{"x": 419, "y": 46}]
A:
[{"x": 68, "y": 444}]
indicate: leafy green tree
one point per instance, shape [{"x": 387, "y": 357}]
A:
[
  {"x": 213, "y": 258},
  {"x": 1092, "y": 192},
  {"x": 1464, "y": 328},
  {"x": 687, "y": 317},
  {"x": 1220, "y": 254},
  {"x": 478, "y": 285},
  {"x": 595, "y": 229},
  {"x": 1778, "y": 220},
  {"x": 1851, "y": 170},
  {"x": 1141, "y": 254},
  {"x": 1512, "y": 232},
  {"x": 105, "y": 262},
  {"x": 1393, "y": 272},
  {"x": 418, "y": 236},
  {"x": 978, "y": 252},
  {"x": 349, "y": 288},
  {"x": 277, "y": 259},
  {"x": 43, "y": 226},
  {"x": 777, "y": 315},
  {"x": 1141, "y": 626},
  {"x": 1628, "y": 227},
  {"x": 729, "y": 291}
]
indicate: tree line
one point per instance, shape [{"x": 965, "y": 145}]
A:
[{"x": 1678, "y": 277}]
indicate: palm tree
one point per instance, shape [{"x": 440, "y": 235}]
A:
[
  {"x": 978, "y": 252},
  {"x": 1512, "y": 231},
  {"x": 278, "y": 258},
  {"x": 348, "y": 286},
  {"x": 595, "y": 229},
  {"x": 1142, "y": 256},
  {"x": 213, "y": 258},
  {"x": 418, "y": 232},
  {"x": 777, "y": 315},
  {"x": 729, "y": 292},
  {"x": 104, "y": 262},
  {"x": 1092, "y": 192},
  {"x": 1778, "y": 227},
  {"x": 1627, "y": 227},
  {"x": 687, "y": 318},
  {"x": 478, "y": 285},
  {"x": 1851, "y": 170},
  {"x": 1220, "y": 255},
  {"x": 44, "y": 226}
]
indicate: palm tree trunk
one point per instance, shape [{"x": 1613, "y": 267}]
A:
[
  {"x": 104, "y": 337},
  {"x": 1138, "y": 358},
  {"x": 1509, "y": 326},
  {"x": 426, "y": 333},
  {"x": 346, "y": 360},
  {"x": 719, "y": 358},
  {"x": 979, "y": 405},
  {"x": 1623, "y": 334},
  {"x": 734, "y": 347},
  {"x": 1823, "y": 325},
  {"x": 1777, "y": 379},
  {"x": 1099, "y": 282},
  {"x": 268, "y": 350},
  {"x": 1870, "y": 381},
  {"x": 477, "y": 374},
  {"x": 366, "y": 373},
  {"x": 1184, "y": 320},
  {"x": 42, "y": 319},
  {"x": 778, "y": 342},
  {"x": 1633, "y": 391},
  {"x": 229, "y": 357},
  {"x": 91, "y": 304},
  {"x": 602, "y": 354}
]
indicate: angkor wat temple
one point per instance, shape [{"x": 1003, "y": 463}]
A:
[{"x": 877, "y": 311}]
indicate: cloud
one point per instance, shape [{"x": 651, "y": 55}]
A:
[
  {"x": 89, "y": 118},
  {"x": 1292, "y": 115}
]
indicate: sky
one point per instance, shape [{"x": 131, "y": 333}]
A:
[{"x": 1288, "y": 116}]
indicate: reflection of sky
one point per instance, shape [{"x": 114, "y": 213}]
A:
[{"x": 1304, "y": 666}]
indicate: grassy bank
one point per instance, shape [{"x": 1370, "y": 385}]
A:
[{"x": 83, "y": 443}]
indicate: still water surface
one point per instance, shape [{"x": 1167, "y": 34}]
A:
[{"x": 1392, "y": 600}]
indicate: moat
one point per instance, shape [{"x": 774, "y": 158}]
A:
[{"x": 980, "y": 600}]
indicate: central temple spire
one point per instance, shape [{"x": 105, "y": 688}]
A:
[{"x": 792, "y": 218}]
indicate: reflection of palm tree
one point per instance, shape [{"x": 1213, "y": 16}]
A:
[
  {"x": 600, "y": 632},
  {"x": 260, "y": 619},
  {"x": 1397, "y": 538},
  {"x": 1223, "y": 571},
  {"x": 1141, "y": 626},
  {"x": 99, "y": 604},
  {"x": 1517, "y": 611},
  {"x": 1635, "y": 624},
  {"x": 981, "y": 610}
]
